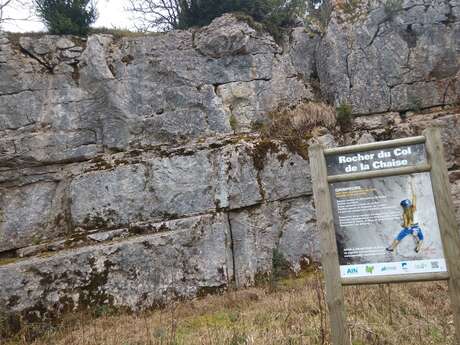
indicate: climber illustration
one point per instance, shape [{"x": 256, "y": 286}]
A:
[{"x": 409, "y": 226}]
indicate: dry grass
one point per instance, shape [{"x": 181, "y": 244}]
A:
[
  {"x": 292, "y": 313},
  {"x": 295, "y": 124},
  {"x": 302, "y": 118}
]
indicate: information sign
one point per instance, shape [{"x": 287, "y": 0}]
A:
[{"x": 385, "y": 215}]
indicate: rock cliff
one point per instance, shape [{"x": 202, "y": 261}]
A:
[{"x": 131, "y": 168}]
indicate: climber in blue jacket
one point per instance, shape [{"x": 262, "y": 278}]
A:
[{"x": 409, "y": 226}]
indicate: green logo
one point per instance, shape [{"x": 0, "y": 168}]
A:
[{"x": 370, "y": 269}]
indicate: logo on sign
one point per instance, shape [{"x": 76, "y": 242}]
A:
[
  {"x": 388, "y": 268},
  {"x": 352, "y": 270},
  {"x": 370, "y": 269},
  {"x": 404, "y": 266},
  {"x": 434, "y": 264},
  {"x": 421, "y": 266}
]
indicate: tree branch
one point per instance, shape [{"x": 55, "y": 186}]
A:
[{"x": 156, "y": 14}]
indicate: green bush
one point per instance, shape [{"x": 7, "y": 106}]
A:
[
  {"x": 344, "y": 115},
  {"x": 273, "y": 13},
  {"x": 280, "y": 265},
  {"x": 392, "y": 7},
  {"x": 233, "y": 122},
  {"x": 415, "y": 103},
  {"x": 184, "y": 14},
  {"x": 67, "y": 16}
]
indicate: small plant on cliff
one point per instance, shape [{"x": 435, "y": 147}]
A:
[
  {"x": 67, "y": 16},
  {"x": 344, "y": 115},
  {"x": 233, "y": 122},
  {"x": 415, "y": 103},
  {"x": 280, "y": 266},
  {"x": 349, "y": 6},
  {"x": 392, "y": 7},
  {"x": 319, "y": 14},
  {"x": 294, "y": 124}
]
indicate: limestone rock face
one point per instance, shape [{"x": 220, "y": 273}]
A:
[
  {"x": 393, "y": 126},
  {"x": 184, "y": 185},
  {"x": 105, "y": 94},
  {"x": 188, "y": 258},
  {"x": 132, "y": 171},
  {"x": 286, "y": 226},
  {"x": 29, "y": 214},
  {"x": 137, "y": 229},
  {"x": 392, "y": 59}
]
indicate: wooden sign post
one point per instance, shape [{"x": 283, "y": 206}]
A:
[{"x": 385, "y": 215}]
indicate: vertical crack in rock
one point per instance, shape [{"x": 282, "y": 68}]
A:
[{"x": 232, "y": 248}]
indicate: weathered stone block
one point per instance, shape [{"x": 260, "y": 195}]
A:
[
  {"x": 191, "y": 258},
  {"x": 238, "y": 184},
  {"x": 111, "y": 198},
  {"x": 185, "y": 184},
  {"x": 286, "y": 226},
  {"x": 29, "y": 215},
  {"x": 285, "y": 175}
]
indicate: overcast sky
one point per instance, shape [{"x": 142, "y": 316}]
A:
[{"x": 111, "y": 14}]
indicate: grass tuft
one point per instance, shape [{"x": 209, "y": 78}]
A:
[{"x": 295, "y": 124}]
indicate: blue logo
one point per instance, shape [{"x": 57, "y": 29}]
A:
[
  {"x": 352, "y": 270},
  {"x": 404, "y": 266}
]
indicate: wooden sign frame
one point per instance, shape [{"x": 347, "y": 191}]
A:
[{"x": 449, "y": 230}]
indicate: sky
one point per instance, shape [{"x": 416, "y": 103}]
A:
[{"x": 111, "y": 14}]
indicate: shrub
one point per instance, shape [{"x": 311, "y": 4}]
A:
[
  {"x": 392, "y": 7},
  {"x": 318, "y": 13},
  {"x": 183, "y": 14},
  {"x": 344, "y": 115},
  {"x": 281, "y": 268},
  {"x": 324, "y": 15},
  {"x": 415, "y": 103},
  {"x": 280, "y": 265},
  {"x": 67, "y": 16},
  {"x": 350, "y": 6},
  {"x": 270, "y": 12},
  {"x": 233, "y": 122},
  {"x": 273, "y": 14}
]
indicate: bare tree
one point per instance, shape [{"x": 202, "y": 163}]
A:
[
  {"x": 156, "y": 14},
  {"x": 181, "y": 14},
  {"x": 9, "y": 7},
  {"x": 3, "y": 5}
]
